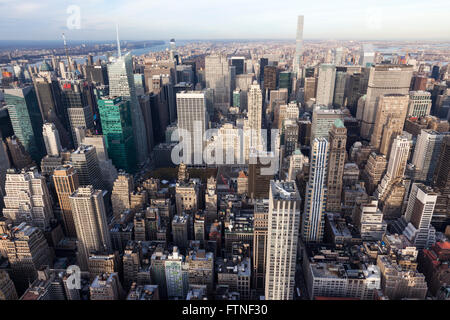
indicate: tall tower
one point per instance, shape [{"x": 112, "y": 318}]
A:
[
  {"x": 51, "y": 139},
  {"x": 66, "y": 182},
  {"x": 255, "y": 115},
  {"x": 121, "y": 84},
  {"x": 192, "y": 117},
  {"x": 120, "y": 195},
  {"x": 218, "y": 78},
  {"x": 260, "y": 234},
  {"x": 298, "y": 45},
  {"x": 325, "y": 84},
  {"x": 337, "y": 140},
  {"x": 426, "y": 154},
  {"x": 90, "y": 223},
  {"x": 284, "y": 223},
  {"x": 383, "y": 79},
  {"x": 389, "y": 121},
  {"x": 313, "y": 221},
  {"x": 85, "y": 161}
]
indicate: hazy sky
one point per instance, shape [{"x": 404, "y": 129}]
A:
[{"x": 226, "y": 19}]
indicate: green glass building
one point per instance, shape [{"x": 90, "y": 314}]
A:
[
  {"x": 285, "y": 81},
  {"x": 115, "y": 118},
  {"x": 26, "y": 120}
]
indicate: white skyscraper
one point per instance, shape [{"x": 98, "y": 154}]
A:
[
  {"x": 121, "y": 84},
  {"x": 298, "y": 45},
  {"x": 51, "y": 139},
  {"x": 282, "y": 238},
  {"x": 313, "y": 221},
  {"x": 89, "y": 215},
  {"x": 192, "y": 117},
  {"x": 325, "y": 84},
  {"x": 255, "y": 115},
  {"x": 218, "y": 78}
]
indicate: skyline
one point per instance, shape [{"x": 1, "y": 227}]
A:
[{"x": 259, "y": 20}]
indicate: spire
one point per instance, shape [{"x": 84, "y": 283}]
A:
[{"x": 118, "y": 41}]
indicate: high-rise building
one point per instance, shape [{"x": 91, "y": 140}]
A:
[
  {"x": 85, "y": 161},
  {"x": 239, "y": 64},
  {"x": 26, "y": 119},
  {"x": 389, "y": 121},
  {"x": 322, "y": 121},
  {"x": 120, "y": 195},
  {"x": 313, "y": 221},
  {"x": 260, "y": 233},
  {"x": 193, "y": 118},
  {"x": 270, "y": 78},
  {"x": 51, "y": 139},
  {"x": 121, "y": 84},
  {"x": 106, "y": 286},
  {"x": 27, "y": 199},
  {"x": 283, "y": 227},
  {"x": 65, "y": 179},
  {"x": 201, "y": 268},
  {"x": 369, "y": 221},
  {"x": 7, "y": 288},
  {"x": 218, "y": 78},
  {"x": 419, "y": 104},
  {"x": 426, "y": 154},
  {"x": 383, "y": 79},
  {"x": 325, "y": 84},
  {"x": 441, "y": 183},
  {"x": 89, "y": 215},
  {"x": 255, "y": 115},
  {"x": 339, "y": 88},
  {"x": 180, "y": 230},
  {"x": 177, "y": 275},
  {"x": 310, "y": 89},
  {"x": 298, "y": 46},
  {"x": 337, "y": 154},
  {"x": 115, "y": 115}
]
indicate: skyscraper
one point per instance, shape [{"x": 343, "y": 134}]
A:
[
  {"x": 115, "y": 115},
  {"x": 192, "y": 117},
  {"x": 51, "y": 139},
  {"x": 337, "y": 155},
  {"x": 419, "y": 103},
  {"x": 322, "y": 121},
  {"x": 325, "y": 84},
  {"x": 283, "y": 226},
  {"x": 383, "y": 79},
  {"x": 89, "y": 215},
  {"x": 66, "y": 182},
  {"x": 255, "y": 115},
  {"x": 313, "y": 221},
  {"x": 26, "y": 119},
  {"x": 298, "y": 46},
  {"x": 121, "y": 84},
  {"x": 260, "y": 233},
  {"x": 85, "y": 161},
  {"x": 218, "y": 78},
  {"x": 426, "y": 154},
  {"x": 120, "y": 195}
]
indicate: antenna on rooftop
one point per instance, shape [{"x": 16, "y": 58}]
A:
[
  {"x": 118, "y": 41},
  {"x": 67, "y": 52}
]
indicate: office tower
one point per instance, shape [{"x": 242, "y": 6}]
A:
[
  {"x": 7, "y": 288},
  {"x": 177, "y": 275},
  {"x": 192, "y": 117},
  {"x": 426, "y": 154},
  {"x": 131, "y": 261},
  {"x": 441, "y": 183},
  {"x": 286, "y": 111},
  {"x": 290, "y": 136},
  {"x": 26, "y": 119},
  {"x": 258, "y": 182},
  {"x": 187, "y": 196},
  {"x": 283, "y": 226},
  {"x": 239, "y": 64},
  {"x": 27, "y": 251},
  {"x": 337, "y": 154},
  {"x": 20, "y": 159},
  {"x": 237, "y": 99},
  {"x": 419, "y": 83},
  {"x": 85, "y": 161},
  {"x": 106, "y": 287},
  {"x": 180, "y": 230},
  {"x": 418, "y": 215},
  {"x": 260, "y": 233},
  {"x": 254, "y": 114},
  {"x": 75, "y": 100},
  {"x": 121, "y": 84},
  {"x": 369, "y": 221},
  {"x": 201, "y": 268},
  {"x": 270, "y": 78},
  {"x": 27, "y": 199},
  {"x": 339, "y": 88},
  {"x": 391, "y": 190},
  {"x": 296, "y": 162},
  {"x": 419, "y": 104},
  {"x": 199, "y": 228},
  {"x": 373, "y": 171},
  {"x": 310, "y": 89},
  {"x": 51, "y": 139},
  {"x": 89, "y": 215},
  {"x": 146, "y": 108},
  {"x": 115, "y": 115},
  {"x": 322, "y": 121},
  {"x": 325, "y": 85},
  {"x": 120, "y": 195},
  {"x": 101, "y": 263},
  {"x": 218, "y": 78},
  {"x": 97, "y": 73},
  {"x": 389, "y": 122},
  {"x": 298, "y": 46},
  {"x": 435, "y": 74},
  {"x": 367, "y": 55},
  {"x": 277, "y": 97},
  {"x": 313, "y": 221},
  {"x": 65, "y": 179},
  {"x": 285, "y": 81},
  {"x": 383, "y": 79},
  {"x": 263, "y": 62}
]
